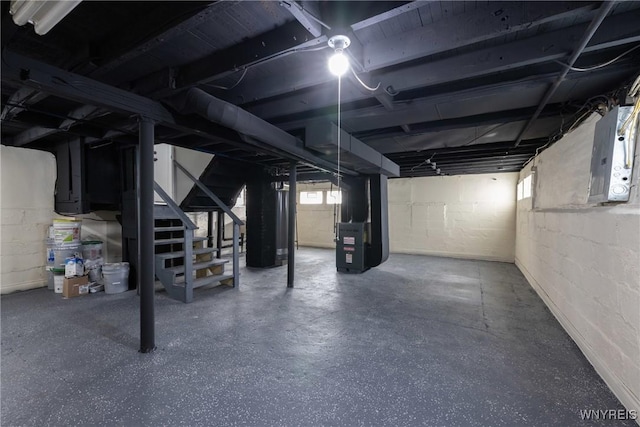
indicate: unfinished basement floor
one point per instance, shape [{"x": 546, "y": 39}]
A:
[{"x": 417, "y": 341}]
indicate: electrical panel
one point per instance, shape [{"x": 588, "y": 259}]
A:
[{"x": 612, "y": 158}]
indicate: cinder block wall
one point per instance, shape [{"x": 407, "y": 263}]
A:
[
  {"x": 584, "y": 261},
  {"x": 469, "y": 216},
  {"x": 28, "y": 179}
]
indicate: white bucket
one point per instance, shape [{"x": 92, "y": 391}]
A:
[
  {"x": 66, "y": 231},
  {"x": 57, "y": 254},
  {"x": 93, "y": 267},
  {"x": 58, "y": 282},
  {"x": 116, "y": 277}
]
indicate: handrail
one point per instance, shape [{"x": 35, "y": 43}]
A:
[
  {"x": 174, "y": 207},
  {"x": 212, "y": 196}
]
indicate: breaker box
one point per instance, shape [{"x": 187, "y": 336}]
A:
[
  {"x": 612, "y": 158},
  {"x": 351, "y": 248}
]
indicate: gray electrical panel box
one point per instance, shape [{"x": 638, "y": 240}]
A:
[
  {"x": 612, "y": 158},
  {"x": 351, "y": 247}
]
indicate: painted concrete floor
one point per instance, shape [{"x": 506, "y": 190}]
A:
[{"x": 417, "y": 341}]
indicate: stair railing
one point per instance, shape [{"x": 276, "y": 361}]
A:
[
  {"x": 237, "y": 222},
  {"x": 188, "y": 238}
]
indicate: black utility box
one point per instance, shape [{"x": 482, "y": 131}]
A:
[{"x": 351, "y": 248}]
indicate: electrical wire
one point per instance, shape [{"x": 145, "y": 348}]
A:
[
  {"x": 595, "y": 67},
  {"x": 244, "y": 73},
  {"x": 338, "y": 142},
  {"x": 372, "y": 89},
  {"x": 310, "y": 15}
]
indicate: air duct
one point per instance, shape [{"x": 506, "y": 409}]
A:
[{"x": 252, "y": 127}]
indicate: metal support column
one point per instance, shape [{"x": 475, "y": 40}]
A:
[
  {"x": 291, "y": 246},
  {"x": 219, "y": 232},
  {"x": 210, "y": 228},
  {"x": 146, "y": 235},
  {"x": 236, "y": 255}
]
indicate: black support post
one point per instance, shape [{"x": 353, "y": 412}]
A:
[
  {"x": 146, "y": 236},
  {"x": 291, "y": 244},
  {"x": 219, "y": 232},
  {"x": 210, "y": 228}
]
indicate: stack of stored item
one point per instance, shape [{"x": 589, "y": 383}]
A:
[{"x": 93, "y": 260}]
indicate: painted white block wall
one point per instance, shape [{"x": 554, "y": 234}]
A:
[
  {"x": 456, "y": 216},
  {"x": 468, "y": 216},
  {"x": 584, "y": 261},
  {"x": 27, "y": 212}
]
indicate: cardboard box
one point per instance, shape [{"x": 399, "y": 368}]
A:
[{"x": 75, "y": 286}]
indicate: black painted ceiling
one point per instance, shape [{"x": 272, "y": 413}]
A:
[{"x": 458, "y": 82}]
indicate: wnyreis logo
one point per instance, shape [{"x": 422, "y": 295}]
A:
[{"x": 608, "y": 414}]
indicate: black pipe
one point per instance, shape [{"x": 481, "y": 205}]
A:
[
  {"x": 291, "y": 247},
  {"x": 146, "y": 246},
  {"x": 605, "y": 8}
]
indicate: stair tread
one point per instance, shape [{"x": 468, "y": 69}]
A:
[
  {"x": 199, "y": 265},
  {"x": 169, "y": 228},
  {"x": 204, "y": 281},
  {"x": 177, "y": 240},
  {"x": 178, "y": 254}
]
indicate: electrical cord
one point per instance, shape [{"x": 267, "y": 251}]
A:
[
  {"x": 595, "y": 67},
  {"x": 338, "y": 142},
  {"x": 371, "y": 89},
  {"x": 244, "y": 73},
  {"x": 309, "y": 14}
]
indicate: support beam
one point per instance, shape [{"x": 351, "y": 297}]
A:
[
  {"x": 84, "y": 112},
  {"x": 130, "y": 44},
  {"x": 489, "y": 21},
  {"x": 576, "y": 52},
  {"x": 291, "y": 262},
  {"x": 146, "y": 256},
  {"x": 20, "y": 101},
  {"x": 498, "y": 117},
  {"x": 615, "y": 31},
  {"x": 58, "y": 82},
  {"x": 303, "y": 16},
  {"x": 275, "y": 43}
]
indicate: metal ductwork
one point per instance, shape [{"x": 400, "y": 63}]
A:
[
  {"x": 253, "y": 128},
  {"x": 321, "y": 136}
]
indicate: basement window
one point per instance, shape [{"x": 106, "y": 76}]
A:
[
  {"x": 334, "y": 197},
  {"x": 311, "y": 197},
  {"x": 519, "y": 191},
  {"x": 523, "y": 190}
]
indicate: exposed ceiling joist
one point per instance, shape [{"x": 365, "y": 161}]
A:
[
  {"x": 52, "y": 80},
  {"x": 304, "y": 16},
  {"x": 489, "y": 21},
  {"x": 615, "y": 31}
]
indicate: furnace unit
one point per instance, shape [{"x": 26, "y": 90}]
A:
[{"x": 351, "y": 247}]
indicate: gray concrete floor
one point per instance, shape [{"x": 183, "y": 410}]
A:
[{"x": 417, "y": 341}]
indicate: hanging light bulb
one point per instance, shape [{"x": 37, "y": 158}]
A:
[
  {"x": 339, "y": 63},
  {"x": 433, "y": 165}
]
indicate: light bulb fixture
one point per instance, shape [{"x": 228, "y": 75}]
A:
[
  {"x": 339, "y": 63},
  {"x": 44, "y": 15},
  {"x": 433, "y": 165},
  {"x": 438, "y": 171}
]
